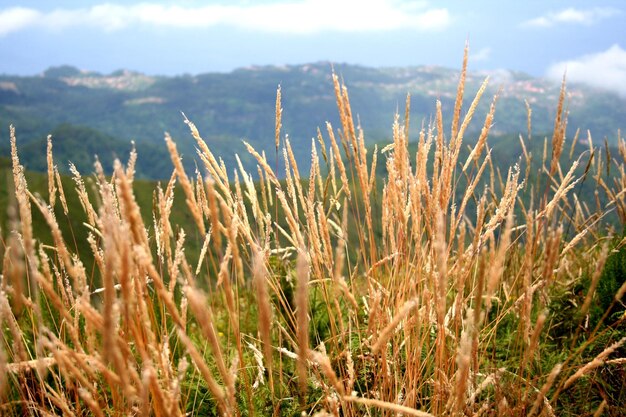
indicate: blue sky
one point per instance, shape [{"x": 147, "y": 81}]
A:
[{"x": 166, "y": 37}]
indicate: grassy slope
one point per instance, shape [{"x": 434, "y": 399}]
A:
[
  {"x": 506, "y": 152},
  {"x": 394, "y": 355}
]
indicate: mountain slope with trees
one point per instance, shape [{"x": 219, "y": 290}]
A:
[{"x": 231, "y": 107}]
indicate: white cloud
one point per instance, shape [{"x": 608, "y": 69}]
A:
[
  {"x": 605, "y": 70},
  {"x": 573, "y": 16},
  {"x": 17, "y": 18},
  {"x": 291, "y": 16}
]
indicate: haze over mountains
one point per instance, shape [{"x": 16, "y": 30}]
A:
[{"x": 89, "y": 113}]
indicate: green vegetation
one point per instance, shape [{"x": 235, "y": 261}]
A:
[
  {"x": 80, "y": 145},
  {"x": 236, "y": 106},
  {"x": 441, "y": 284}
]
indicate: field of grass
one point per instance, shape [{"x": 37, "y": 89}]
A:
[{"x": 446, "y": 287}]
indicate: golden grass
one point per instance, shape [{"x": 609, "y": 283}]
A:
[{"x": 363, "y": 301}]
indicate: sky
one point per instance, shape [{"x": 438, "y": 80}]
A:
[{"x": 542, "y": 38}]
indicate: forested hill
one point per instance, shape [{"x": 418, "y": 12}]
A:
[{"x": 89, "y": 113}]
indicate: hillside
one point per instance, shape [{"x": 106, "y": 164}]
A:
[
  {"x": 236, "y": 106},
  {"x": 432, "y": 288},
  {"x": 79, "y": 144}
]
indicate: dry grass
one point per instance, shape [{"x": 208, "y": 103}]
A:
[{"x": 364, "y": 300}]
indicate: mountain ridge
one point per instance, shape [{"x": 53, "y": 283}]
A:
[{"x": 239, "y": 105}]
